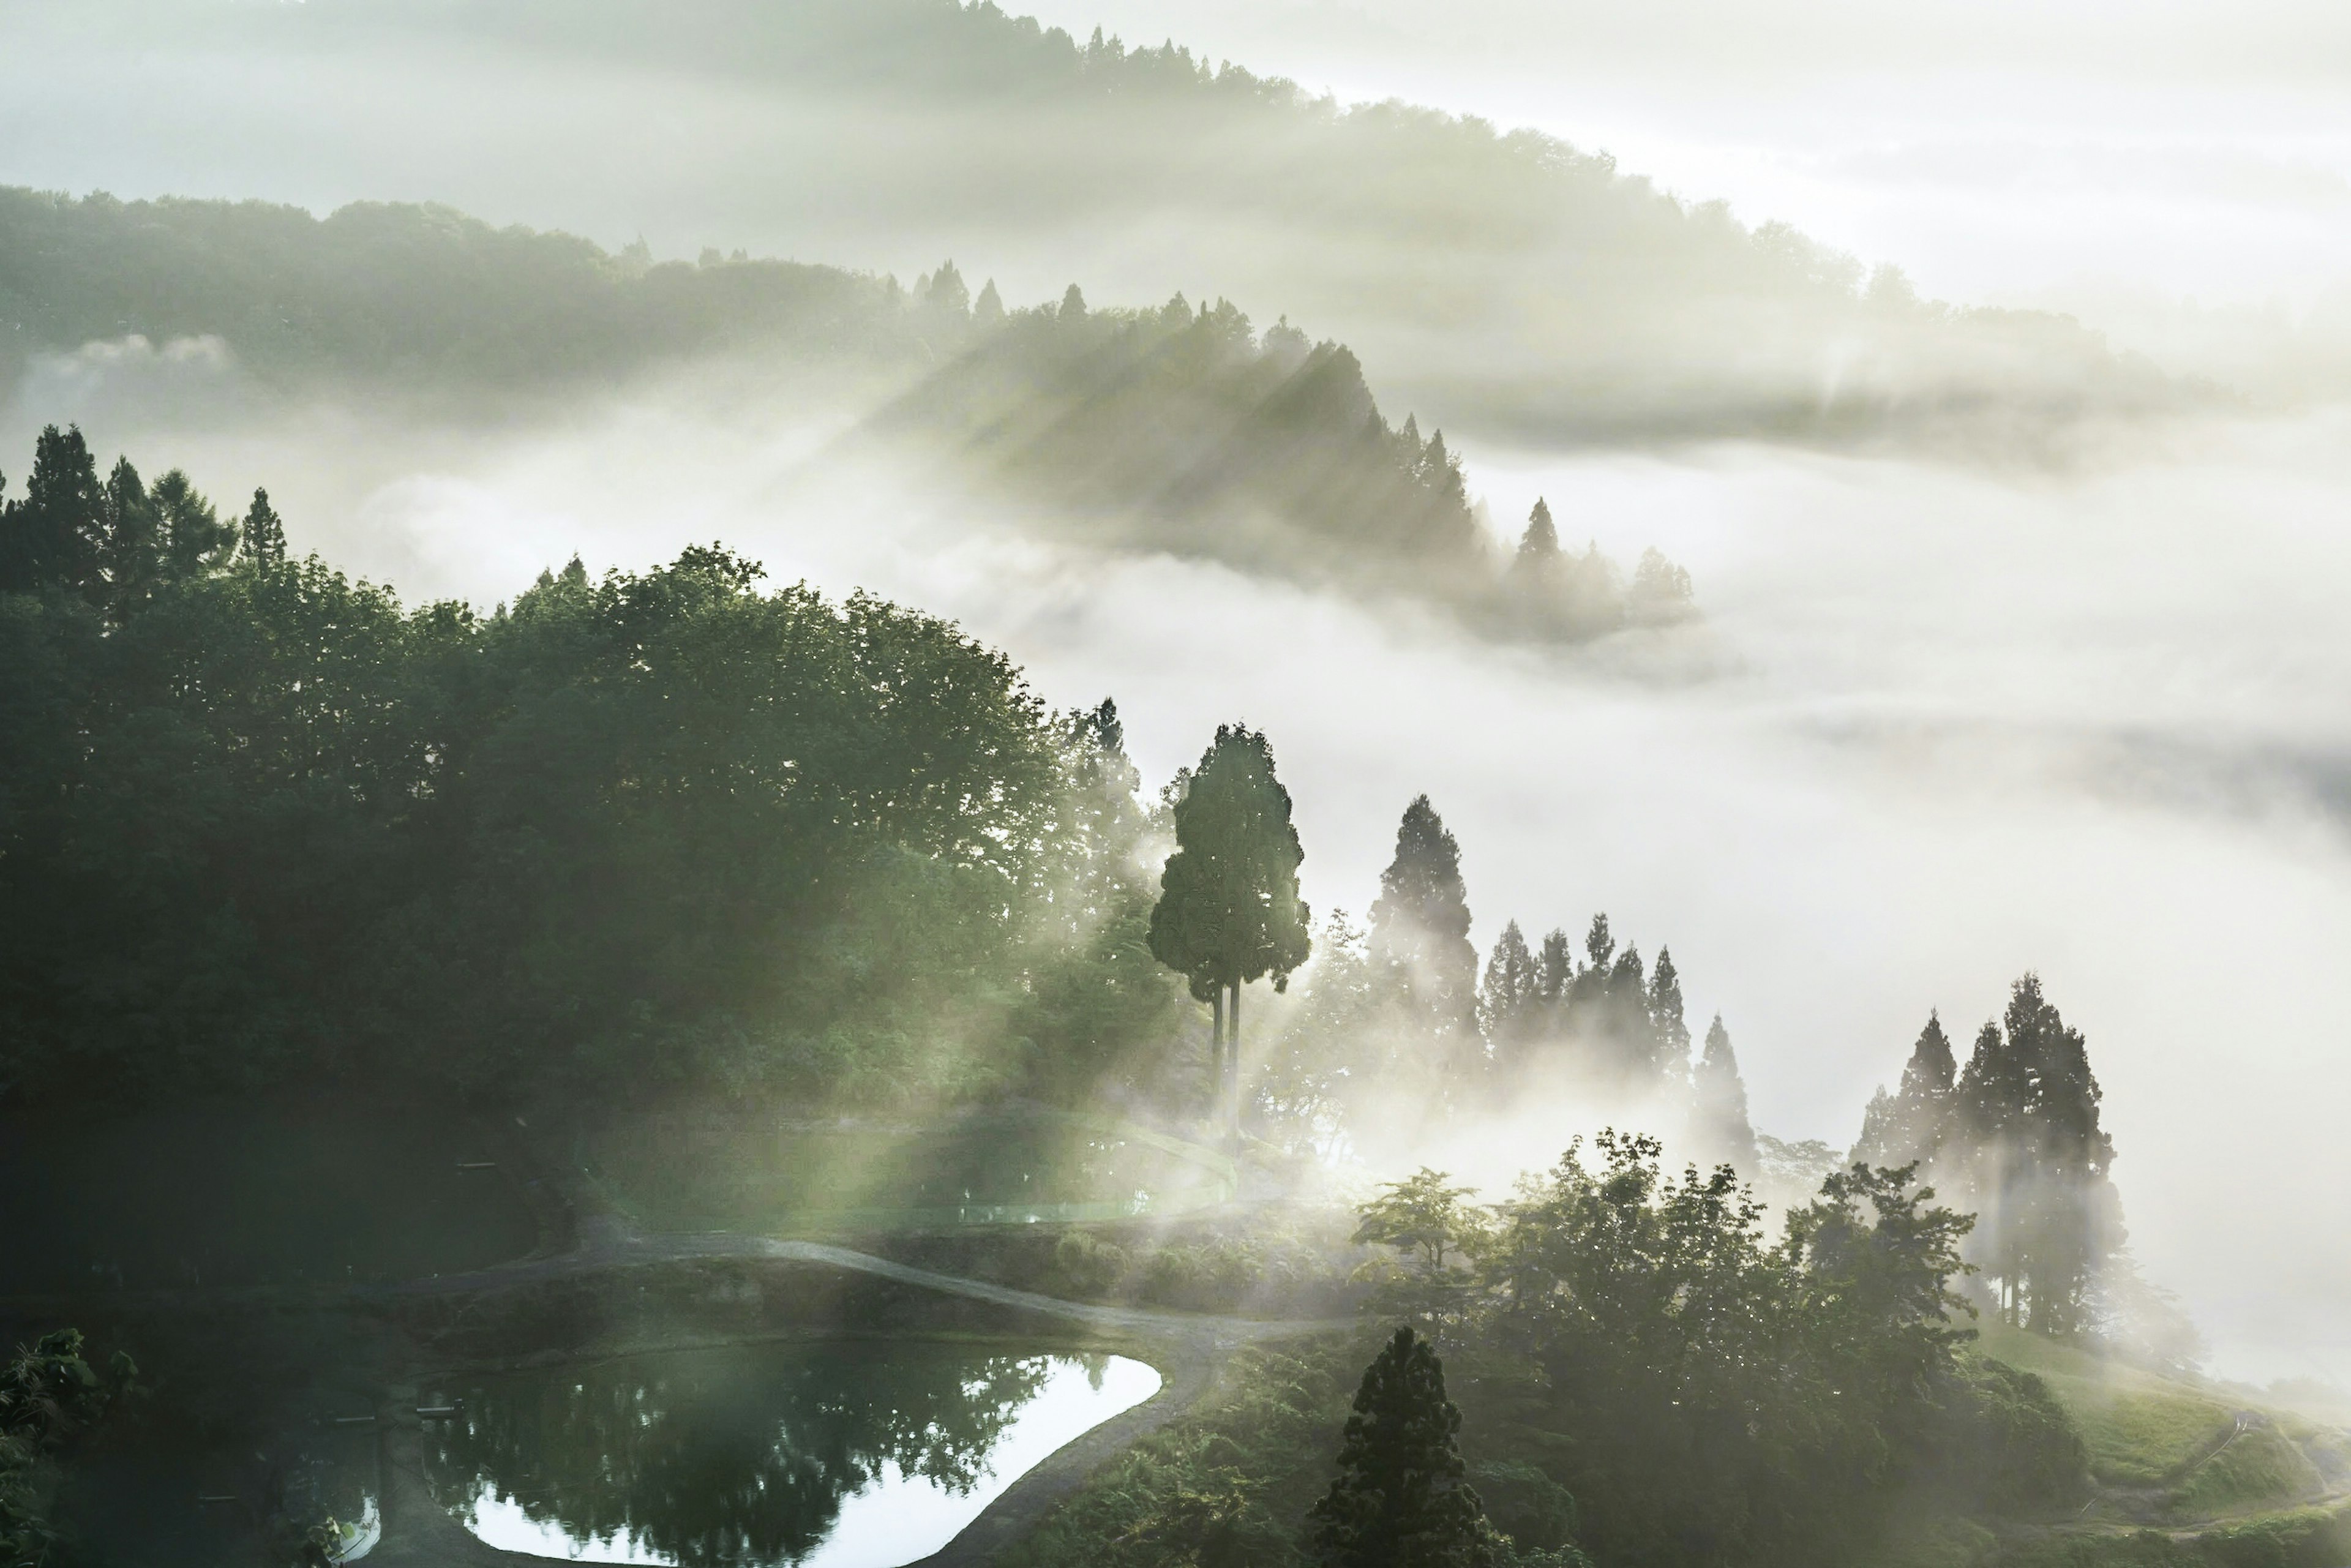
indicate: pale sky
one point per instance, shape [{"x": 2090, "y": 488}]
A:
[{"x": 1994, "y": 149}]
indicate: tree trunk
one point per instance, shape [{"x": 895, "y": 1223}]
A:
[
  {"x": 1217, "y": 1058},
  {"x": 1234, "y": 1099}
]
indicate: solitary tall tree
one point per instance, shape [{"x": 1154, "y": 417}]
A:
[
  {"x": 1229, "y": 910},
  {"x": 1538, "y": 546},
  {"x": 1401, "y": 1499},
  {"x": 1420, "y": 931}
]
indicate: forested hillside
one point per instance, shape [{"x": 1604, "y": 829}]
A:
[
  {"x": 1172, "y": 428},
  {"x": 1504, "y": 280}
]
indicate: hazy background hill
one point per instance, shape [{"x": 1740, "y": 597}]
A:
[{"x": 1507, "y": 282}]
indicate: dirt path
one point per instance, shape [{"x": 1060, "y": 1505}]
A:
[{"x": 1188, "y": 1350}]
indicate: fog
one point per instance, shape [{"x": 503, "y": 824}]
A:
[
  {"x": 1945, "y": 721},
  {"x": 1939, "y": 726}
]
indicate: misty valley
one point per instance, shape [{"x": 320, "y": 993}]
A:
[{"x": 1373, "y": 846}]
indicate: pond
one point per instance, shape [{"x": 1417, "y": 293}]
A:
[{"x": 840, "y": 1454}]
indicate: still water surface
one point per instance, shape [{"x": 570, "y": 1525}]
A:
[{"x": 829, "y": 1456}]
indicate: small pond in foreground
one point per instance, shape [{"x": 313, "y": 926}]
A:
[{"x": 834, "y": 1455}]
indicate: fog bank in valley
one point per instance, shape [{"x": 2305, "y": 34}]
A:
[{"x": 1939, "y": 726}]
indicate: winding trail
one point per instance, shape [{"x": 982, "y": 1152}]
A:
[{"x": 1189, "y": 1351}]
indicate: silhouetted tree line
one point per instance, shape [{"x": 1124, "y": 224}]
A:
[
  {"x": 1182, "y": 428},
  {"x": 2016, "y": 1134},
  {"x": 258, "y": 822},
  {"x": 1400, "y": 1016},
  {"x": 409, "y": 295}
]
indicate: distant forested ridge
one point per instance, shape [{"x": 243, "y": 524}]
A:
[
  {"x": 1506, "y": 282},
  {"x": 409, "y": 296},
  {"x": 1159, "y": 429}
]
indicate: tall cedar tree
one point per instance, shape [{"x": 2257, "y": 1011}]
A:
[
  {"x": 1420, "y": 932},
  {"x": 1229, "y": 910},
  {"x": 1723, "y": 1132},
  {"x": 1509, "y": 1001},
  {"x": 1908, "y": 1127},
  {"x": 55, "y": 536},
  {"x": 1401, "y": 1501},
  {"x": 2022, "y": 1137},
  {"x": 263, "y": 534},
  {"x": 1538, "y": 547}
]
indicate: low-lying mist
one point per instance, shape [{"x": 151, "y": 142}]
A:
[{"x": 1938, "y": 727}]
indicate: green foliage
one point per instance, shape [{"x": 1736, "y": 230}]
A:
[
  {"x": 1707, "y": 1396},
  {"x": 647, "y": 832},
  {"x": 1229, "y": 910},
  {"x": 1402, "y": 1499},
  {"x": 2016, "y": 1134},
  {"x": 1252, "y": 1460},
  {"x": 1439, "y": 1237},
  {"x": 49, "y": 1397},
  {"x": 2139, "y": 1430},
  {"x": 1420, "y": 933}
]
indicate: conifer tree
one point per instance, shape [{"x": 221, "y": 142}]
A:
[
  {"x": 945, "y": 292},
  {"x": 1669, "y": 1033},
  {"x": 1420, "y": 930},
  {"x": 1624, "y": 1015},
  {"x": 194, "y": 539},
  {"x": 263, "y": 534},
  {"x": 1401, "y": 1499},
  {"x": 1719, "y": 1097},
  {"x": 1074, "y": 304},
  {"x": 1509, "y": 994},
  {"x": 130, "y": 554},
  {"x": 2034, "y": 1158},
  {"x": 54, "y": 537},
  {"x": 1554, "y": 977},
  {"x": 1910, "y": 1126},
  {"x": 988, "y": 309},
  {"x": 1538, "y": 546},
  {"x": 1229, "y": 910}
]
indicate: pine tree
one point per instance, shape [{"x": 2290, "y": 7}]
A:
[
  {"x": 1538, "y": 554},
  {"x": 1718, "y": 1103},
  {"x": 1625, "y": 1015},
  {"x": 1668, "y": 1030},
  {"x": 55, "y": 536},
  {"x": 194, "y": 539},
  {"x": 988, "y": 309},
  {"x": 945, "y": 292},
  {"x": 2034, "y": 1158},
  {"x": 1073, "y": 305},
  {"x": 1401, "y": 1499},
  {"x": 264, "y": 535},
  {"x": 1510, "y": 995},
  {"x": 130, "y": 552},
  {"x": 1554, "y": 977},
  {"x": 1229, "y": 910},
  {"x": 1420, "y": 929},
  {"x": 1910, "y": 1126}
]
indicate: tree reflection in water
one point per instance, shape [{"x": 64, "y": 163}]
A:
[{"x": 728, "y": 1458}]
